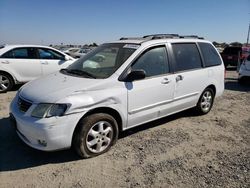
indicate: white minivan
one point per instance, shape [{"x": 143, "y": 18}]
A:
[{"x": 140, "y": 79}]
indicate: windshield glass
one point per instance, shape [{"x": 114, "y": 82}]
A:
[{"x": 103, "y": 61}]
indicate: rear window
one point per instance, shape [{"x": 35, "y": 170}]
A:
[{"x": 210, "y": 55}]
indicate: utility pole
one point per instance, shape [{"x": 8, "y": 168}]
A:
[{"x": 248, "y": 34}]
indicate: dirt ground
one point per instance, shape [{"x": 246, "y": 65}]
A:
[{"x": 183, "y": 150}]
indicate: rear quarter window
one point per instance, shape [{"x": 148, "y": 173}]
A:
[{"x": 210, "y": 55}]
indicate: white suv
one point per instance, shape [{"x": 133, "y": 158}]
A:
[
  {"x": 140, "y": 80},
  {"x": 22, "y": 63}
]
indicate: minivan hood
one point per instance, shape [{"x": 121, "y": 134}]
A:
[{"x": 56, "y": 86}]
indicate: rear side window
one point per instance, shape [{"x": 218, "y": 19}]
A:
[
  {"x": 210, "y": 55},
  {"x": 20, "y": 53},
  {"x": 186, "y": 56}
]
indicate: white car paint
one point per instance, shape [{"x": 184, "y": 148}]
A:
[
  {"x": 136, "y": 102},
  {"x": 71, "y": 51},
  {"x": 245, "y": 69},
  {"x": 24, "y": 70}
]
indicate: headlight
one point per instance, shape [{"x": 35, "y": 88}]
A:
[{"x": 49, "y": 110}]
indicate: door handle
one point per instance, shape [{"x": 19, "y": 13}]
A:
[
  {"x": 44, "y": 63},
  {"x": 179, "y": 78},
  {"x": 165, "y": 81},
  {"x": 5, "y": 62}
]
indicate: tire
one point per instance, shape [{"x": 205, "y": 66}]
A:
[
  {"x": 94, "y": 135},
  {"x": 242, "y": 81},
  {"x": 6, "y": 82},
  {"x": 205, "y": 102}
]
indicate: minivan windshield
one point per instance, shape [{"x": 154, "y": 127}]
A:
[{"x": 102, "y": 62}]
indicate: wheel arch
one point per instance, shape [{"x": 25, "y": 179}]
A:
[
  {"x": 9, "y": 74},
  {"x": 107, "y": 110},
  {"x": 212, "y": 86}
]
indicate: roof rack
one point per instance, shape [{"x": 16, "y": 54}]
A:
[
  {"x": 131, "y": 38},
  {"x": 161, "y": 36},
  {"x": 191, "y": 36}
]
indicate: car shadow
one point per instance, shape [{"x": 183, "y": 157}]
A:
[
  {"x": 233, "y": 85},
  {"x": 16, "y": 155},
  {"x": 16, "y": 87},
  {"x": 158, "y": 122}
]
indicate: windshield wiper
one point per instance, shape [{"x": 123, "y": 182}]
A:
[{"x": 79, "y": 72}]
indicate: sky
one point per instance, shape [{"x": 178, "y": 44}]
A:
[{"x": 83, "y": 22}]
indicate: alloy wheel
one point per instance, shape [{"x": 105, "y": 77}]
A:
[
  {"x": 99, "y": 136},
  {"x": 4, "y": 83},
  {"x": 206, "y": 101}
]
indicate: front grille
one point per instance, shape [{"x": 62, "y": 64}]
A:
[{"x": 23, "y": 105}]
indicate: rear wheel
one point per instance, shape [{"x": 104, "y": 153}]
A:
[
  {"x": 95, "y": 135},
  {"x": 205, "y": 102},
  {"x": 6, "y": 82}
]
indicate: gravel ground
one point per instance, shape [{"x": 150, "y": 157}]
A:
[{"x": 182, "y": 150}]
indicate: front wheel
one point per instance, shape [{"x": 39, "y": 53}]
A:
[
  {"x": 6, "y": 82},
  {"x": 205, "y": 102},
  {"x": 95, "y": 134}
]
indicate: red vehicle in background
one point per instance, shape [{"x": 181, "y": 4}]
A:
[
  {"x": 231, "y": 55},
  {"x": 245, "y": 52}
]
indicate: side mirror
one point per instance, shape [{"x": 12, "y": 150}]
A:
[{"x": 135, "y": 75}]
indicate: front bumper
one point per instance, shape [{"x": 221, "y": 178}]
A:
[{"x": 45, "y": 134}]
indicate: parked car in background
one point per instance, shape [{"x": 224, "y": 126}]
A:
[
  {"x": 89, "y": 103},
  {"x": 245, "y": 52},
  {"x": 231, "y": 55},
  {"x": 81, "y": 52},
  {"x": 220, "y": 49},
  {"x": 22, "y": 63},
  {"x": 244, "y": 72},
  {"x": 70, "y": 51}
]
